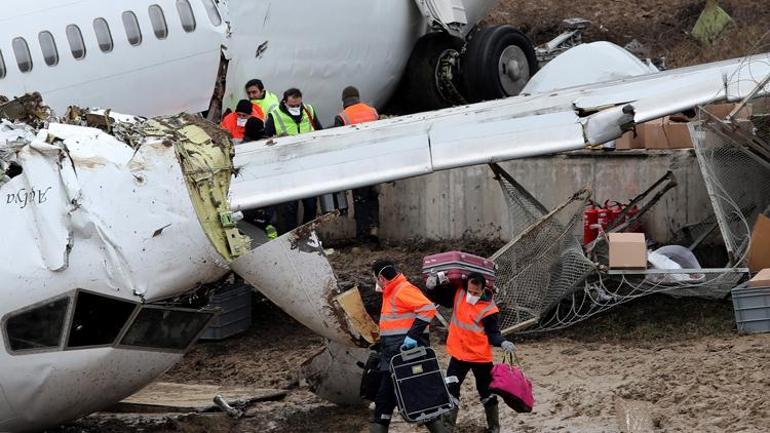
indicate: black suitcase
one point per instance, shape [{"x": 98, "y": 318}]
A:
[{"x": 421, "y": 391}]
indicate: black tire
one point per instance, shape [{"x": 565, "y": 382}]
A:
[
  {"x": 482, "y": 63},
  {"x": 420, "y": 86}
]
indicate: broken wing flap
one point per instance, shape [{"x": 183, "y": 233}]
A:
[
  {"x": 293, "y": 272},
  {"x": 205, "y": 156}
]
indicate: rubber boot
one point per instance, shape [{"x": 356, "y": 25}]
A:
[
  {"x": 436, "y": 426},
  {"x": 377, "y": 428},
  {"x": 450, "y": 420},
  {"x": 493, "y": 418}
]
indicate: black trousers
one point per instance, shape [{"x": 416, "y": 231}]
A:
[
  {"x": 289, "y": 213},
  {"x": 385, "y": 402},
  {"x": 366, "y": 205},
  {"x": 482, "y": 371}
]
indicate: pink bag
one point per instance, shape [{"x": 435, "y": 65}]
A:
[{"x": 512, "y": 386}]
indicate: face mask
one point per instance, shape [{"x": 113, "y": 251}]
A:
[
  {"x": 295, "y": 111},
  {"x": 471, "y": 299},
  {"x": 241, "y": 122},
  {"x": 378, "y": 287}
]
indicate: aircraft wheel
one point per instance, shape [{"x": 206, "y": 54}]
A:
[
  {"x": 498, "y": 62},
  {"x": 423, "y": 71}
]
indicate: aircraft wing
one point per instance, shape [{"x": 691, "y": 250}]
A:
[{"x": 284, "y": 169}]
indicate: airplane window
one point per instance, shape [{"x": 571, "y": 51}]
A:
[
  {"x": 160, "y": 328},
  {"x": 158, "y": 21},
  {"x": 23, "y": 56},
  {"x": 2, "y": 65},
  {"x": 186, "y": 15},
  {"x": 213, "y": 12},
  {"x": 38, "y": 328},
  {"x": 97, "y": 320},
  {"x": 75, "y": 38},
  {"x": 131, "y": 24},
  {"x": 103, "y": 35},
  {"x": 48, "y": 46}
]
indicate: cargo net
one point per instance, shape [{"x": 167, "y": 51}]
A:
[
  {"x": 734, "y": 156},
  {"x": 545, "y": 263}
]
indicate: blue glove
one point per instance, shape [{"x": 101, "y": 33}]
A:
[{"x": 409, "y": 343}]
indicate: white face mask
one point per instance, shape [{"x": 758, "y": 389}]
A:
[
  {"x": 471, "y": 299},
  {"x": 378, "y": 287},
  {"x": 295, "y": 111},
  {"x": 241, "y": 121}
]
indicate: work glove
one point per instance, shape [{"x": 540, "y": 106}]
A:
[
  {"x": 442, "y": 278},
  {"x": 409, "y": 343},
  {"x": 508, "y": 347},
  {"x": 431, "y": 282}
]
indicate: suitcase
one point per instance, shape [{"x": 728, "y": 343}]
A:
[
  {"x": 421, "y": 391},
  {"x": 457, "y": 265}
]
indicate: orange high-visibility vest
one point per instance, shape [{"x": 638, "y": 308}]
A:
[
  {"x": 402, "y": 303},
  {"x": 257, "y": 112},
  {"x": 467, "y": 340},
  {"x": 230, "y": 124},
  {"x": 359, "y": 113}
]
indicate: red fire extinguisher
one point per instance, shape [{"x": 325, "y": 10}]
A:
[
  {"x": 604, "y": 218},
  {"x": 613, "y": 213},
  {"x": 590, "y": 219}
]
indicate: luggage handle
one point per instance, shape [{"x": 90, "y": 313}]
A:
[
  {"x": 410, "y": 354},
  {"x": 512, "y": 359}
]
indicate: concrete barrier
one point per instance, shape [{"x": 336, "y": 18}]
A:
[{"x": 454, "y": 203}]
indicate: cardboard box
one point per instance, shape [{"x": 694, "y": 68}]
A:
[
  {"x": 629, "y": 140},
  {"x": 628, "y": 251},
  {"x": 670, "y": 132},
  {"x": 762, "y": 279},
  {"x": 650, "y": 132},
  {"x": 759, "y": 253},
  {"x": 723, "y": 110}
]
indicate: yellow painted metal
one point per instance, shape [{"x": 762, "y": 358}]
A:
[{"x": 206, "y": 157}]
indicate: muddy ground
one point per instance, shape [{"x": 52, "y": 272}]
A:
[
  {"x": 682, "y": 356},
  {"x": 662, "y": 26}
]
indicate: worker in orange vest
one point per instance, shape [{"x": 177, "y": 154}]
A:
[
  {"x": 404, "y": 318},
  {"x": 473, "y": 331},
  {"x": 235, "y": 122},
  {"x": 366, "y": 200}
]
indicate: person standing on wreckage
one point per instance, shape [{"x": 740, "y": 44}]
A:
[
  {"x": 404, "y": 318},
  {"x": 473, "y": 331}
]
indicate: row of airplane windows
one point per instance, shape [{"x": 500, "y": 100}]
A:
[{"x": 103, "y": 34}]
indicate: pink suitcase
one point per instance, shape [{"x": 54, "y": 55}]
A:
[{"x": 457, "y": 265}]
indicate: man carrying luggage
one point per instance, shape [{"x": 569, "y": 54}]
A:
[
  {"x": 404, "y": 318},
  {"x": 473, "y": 331}
]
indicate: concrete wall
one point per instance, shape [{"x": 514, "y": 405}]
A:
[{"x": 452, "y": 203}]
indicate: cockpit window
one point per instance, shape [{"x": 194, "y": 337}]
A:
[
  {"x": 186, "y": 15},
  {"x": 165, "y": 329},
  {"x": 97, "y": 320},
  {"x": 131, "y": 24},
  {"x": 213, "y": 12},
  {"x": 37, "y": 328},
  {"x": 23, "y": 56},
  {"x": 158, "y": 20}
]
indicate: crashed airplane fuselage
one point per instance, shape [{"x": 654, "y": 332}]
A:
[
  {"x": 104, "y": 231},
  {"x": 162, "y": 57}
]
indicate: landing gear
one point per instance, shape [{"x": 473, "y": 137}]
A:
[
  {"x": 434, "y": 60},
  {"x": 498, "y": 62},
  {"x": 444, "y": 70}
]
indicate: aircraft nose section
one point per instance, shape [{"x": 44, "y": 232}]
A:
[
  {"x": 294, "y": 273},
  {"x": 47, "y": 389}
]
